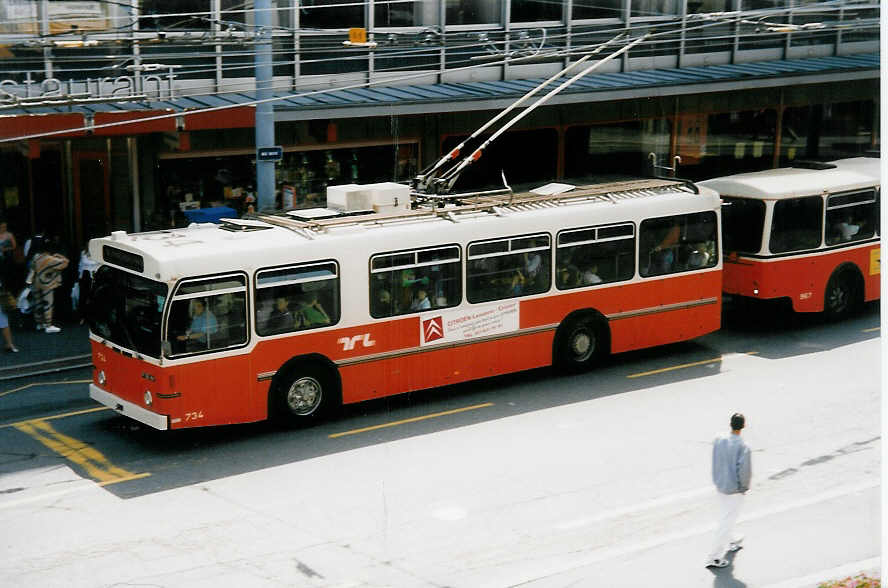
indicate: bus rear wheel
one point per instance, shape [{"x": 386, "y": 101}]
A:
[
  {"x": 303, "y": 395},
  {"x": 581, "y": 342},
  {"x": 842, "y": 295}
]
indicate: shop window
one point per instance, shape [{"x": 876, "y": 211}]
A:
[
  {"x": 680, "y": 243},
  {"x": 862, "y": 22},
  {"x": 297, "y": 298},
  {"x": 827, "y": 131},
  {"x": 797, "y": 224},
  {"x": 706, "y": 6},
  {"x": 535, "y": 10},
  {"x": 184, "y": 15},
  {"x": 851, "y": 217},
  {"x": 325, "y": 55},
  {"x": 618, "y": 148},
  {"x": 208, "y": 315},
  {"x": 743, "y": 223},
  {"x": 654, "y": 8},
  {"x": 331, "y": 14},
  {"x": 728, "y": 143},
  {"x": 467, "y": 12},
  {"x": 406, "y": 14},
  {"x": 589, "y": 9},
  {"x": 507, "y": 268},
  {"x": 414, "y": 281},
  {"x": 596, "y": 255},
  {"x": 524, "y": 157}
]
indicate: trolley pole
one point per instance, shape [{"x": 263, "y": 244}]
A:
[{"x": 265, "y": 109}]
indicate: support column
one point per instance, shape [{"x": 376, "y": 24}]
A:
[{"x": 264, "y": 110}]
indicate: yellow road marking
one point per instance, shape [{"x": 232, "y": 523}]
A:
[
  {"x": 32, "y": 384},
  {"x": 56, "y": 416},
  {"x": 683, "y": 366},
  {"x": 871, "y": 330},
  {"x": 90, "y": 459},
  {"x": 410, "y": 420}
]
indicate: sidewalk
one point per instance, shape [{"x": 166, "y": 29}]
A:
[{"x": 36, "y": 346}]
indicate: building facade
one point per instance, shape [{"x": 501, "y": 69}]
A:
[{"x": 125, "y": 115}]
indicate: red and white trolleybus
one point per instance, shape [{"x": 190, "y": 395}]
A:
[
  {"x": 288, "y": 315},
  {"x": 808, "y": 233}
]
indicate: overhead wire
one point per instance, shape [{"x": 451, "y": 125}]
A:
[{"x": 556, "y": 53}]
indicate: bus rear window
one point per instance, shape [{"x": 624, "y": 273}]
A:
[
  {"x": 743, "y": 223},
  {"x": 797, "y": 224}
]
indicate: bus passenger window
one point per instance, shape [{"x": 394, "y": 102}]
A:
[
  {"x": 507, "y": 268},
  {"x": 207, "y": 315},
  {"x": 297, "y": 298},
  {"x": 679, "y": 243},
  {"x": 586, "y": 257},
  {"x": 797, "y": 224},
  {"x": 414, "y": 281},
  {"x": 850, "y": 217}
]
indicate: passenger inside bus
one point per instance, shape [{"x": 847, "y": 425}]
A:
[
  {"x": 310, "y": 312},
  {"x": 280, "y": 319},
  {"x": 663, "y": 253},
  {"x": 203, "y": 325},
  {"x": 590, "y": 276},
  {"x": 846, "y": 229},
  {"x": 421, "y": 301}
]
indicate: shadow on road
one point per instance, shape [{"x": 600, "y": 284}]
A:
[{"x": 180, "y": 458}]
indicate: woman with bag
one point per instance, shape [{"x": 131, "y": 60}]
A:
[
  {"x": 46, "y": 276},
  {"x": 6, "y": 304}
]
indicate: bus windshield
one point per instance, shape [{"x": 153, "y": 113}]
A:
[
  {"x": 743, "y": 220},
  {"x": 126, "y": 309}
]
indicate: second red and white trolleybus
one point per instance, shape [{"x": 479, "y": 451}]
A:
[
  {"x": 289, "y": 315},
  {"x": 808, "y": 233}
]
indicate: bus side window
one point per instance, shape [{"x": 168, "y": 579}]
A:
[
  {"x": 297, "y": 298},
  {"x": 507, "y": 268},
  {"x": 797, "y": 224},
  {"x": 677, "y": 243},
  {"x": 414, "y": 281},
  {"x": 586, "y": 257},
  {"x": 850, "y": 217},
  {"x": 207, "y": 315}
]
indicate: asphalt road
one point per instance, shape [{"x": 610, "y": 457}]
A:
[{"x": 535, "y": 479}]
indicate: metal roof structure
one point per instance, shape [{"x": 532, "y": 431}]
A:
[{"x": 464, "y": 96}]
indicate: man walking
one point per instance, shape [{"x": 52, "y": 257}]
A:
[{"x": 731, "y": 473}]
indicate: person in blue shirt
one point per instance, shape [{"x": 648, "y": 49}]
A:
[
  {"x": 203, "y": 325},
  {"x": 731, "y": 474}
]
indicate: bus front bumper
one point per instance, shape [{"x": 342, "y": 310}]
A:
[{"x": 129, "y": 409}]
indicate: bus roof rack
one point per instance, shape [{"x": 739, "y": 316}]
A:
[
  {"x": 811, "y": 164},
  {"x": 495, "y": 202}
]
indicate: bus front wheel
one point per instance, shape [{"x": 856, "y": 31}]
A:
[
  {"x": 581, "y": 342},
  {"x": 304, "y": 394}
]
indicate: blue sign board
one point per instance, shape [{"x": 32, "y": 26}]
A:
[{"x": 270, "y": 153}]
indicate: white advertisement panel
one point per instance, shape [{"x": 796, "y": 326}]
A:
[{"x": 451, "y": 326}]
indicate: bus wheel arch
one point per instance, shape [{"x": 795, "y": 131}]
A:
[
  {"x": 844, "y": 292},
  {"x": 582, "y": 339},
  {"x": 304, "y": 390}
]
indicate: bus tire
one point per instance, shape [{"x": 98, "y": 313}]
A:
[
  {"x": 843, "y": 295},
  {"x": 304, "y": 393},
  {"x": 582, "y": 341}
]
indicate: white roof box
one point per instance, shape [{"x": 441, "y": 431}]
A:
[{"x": 381, "y": 197}]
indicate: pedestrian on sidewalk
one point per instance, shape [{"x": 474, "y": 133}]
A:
[
  {"x": 4, "y": 324},
  {"x": 46, "y": 276},
  {"x": 731, "y": 474}
]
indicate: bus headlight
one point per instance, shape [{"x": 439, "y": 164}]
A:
[
  {"x": 102, "y": 378},
  {"x": 148, "y": 399}
]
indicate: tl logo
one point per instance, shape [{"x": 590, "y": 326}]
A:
[
  {"x": 348, "y": 343},
  {"x": 433, "y": 329}
]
